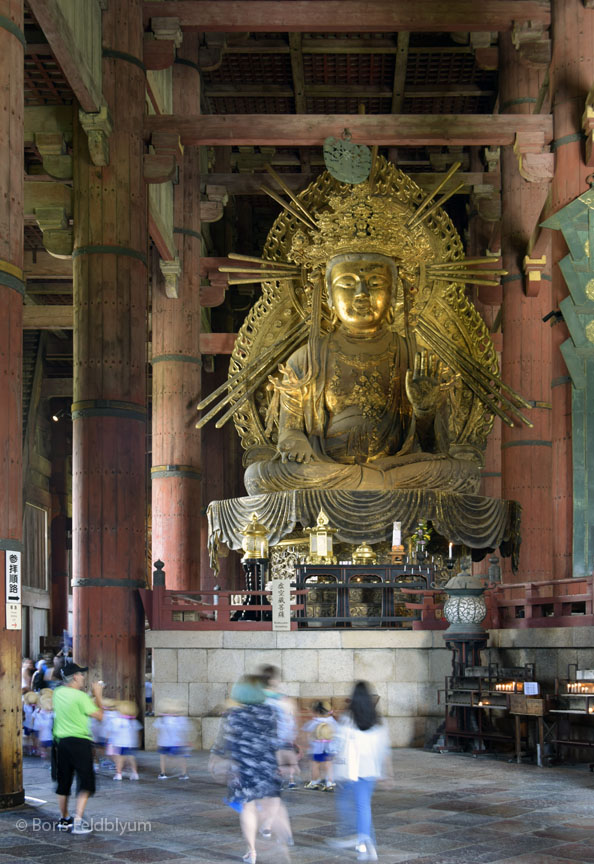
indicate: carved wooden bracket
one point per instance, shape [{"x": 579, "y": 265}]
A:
[
  {"x": 486, "y": 201},
  {"x": 534, "y": 165},
  {"x": 161, "y": 165},
  {"x": 210, "y": 55},
  {"x": 212, "y": 209},
  {"x": 492, "y": 158},
  {"x": 157, "y": 54},
  {"x": 532, "y": 42},
  {"x": 159, "y": 46},
  {"x": 214, "y": 284},
  {"x": 57, "y": 162},
  {"x": 98, "y": 127},
  {"x": 171, "y": 271},
  {"x": 167, "y": 29},
  {"x": 57, "y": 234},
  {"x": 533, "y": 270}
]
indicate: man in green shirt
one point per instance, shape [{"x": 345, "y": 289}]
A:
[{"x": 72, "y": 710}]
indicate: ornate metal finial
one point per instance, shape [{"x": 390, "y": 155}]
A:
[
  {"x": 158, "y": 573},
  {"x": 347, "y": 162}
]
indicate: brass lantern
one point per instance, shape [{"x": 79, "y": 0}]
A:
[
  {"x": 364, "y": 554},
  {"x": 255, "y": 540},
  {"x": 320, "y": 541}
]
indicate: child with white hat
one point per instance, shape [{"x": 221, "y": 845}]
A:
[
  {"x": 44, "y": 724},
  {"x": 124, "y": 730},
  {"x": 174, "y": 735}
]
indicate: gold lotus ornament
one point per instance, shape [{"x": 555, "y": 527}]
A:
[{"x": 321, "y": 541}]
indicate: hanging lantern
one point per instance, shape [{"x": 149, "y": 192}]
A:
[
  {"x": 255, "y": 539},
  {"x": 321, "y": 541}
]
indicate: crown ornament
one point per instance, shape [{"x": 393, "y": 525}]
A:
[{"x": 360, "y": 220}]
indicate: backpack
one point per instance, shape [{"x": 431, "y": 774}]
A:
[{"x": 38, "y": 679}]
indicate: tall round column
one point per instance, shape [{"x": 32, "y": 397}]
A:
[
  {"x": 177, "y": 366},
  {"x": 109, "y": 409},
  {"x": 12, "y": 41},
  {"x": 526, "y": 356}
]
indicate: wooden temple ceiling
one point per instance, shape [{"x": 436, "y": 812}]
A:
[{"x": 277, "y": 74}]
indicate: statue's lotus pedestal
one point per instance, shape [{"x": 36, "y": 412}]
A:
[{"x": 482, "y": 524}]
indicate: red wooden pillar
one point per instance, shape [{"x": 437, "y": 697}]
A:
[
  {"x": 572, "y": 73},
  {"x": 526, "y": 357},
  {"x": 109, "y": 410},
  {"x": 176, "y": 471},
  {"x": 60, "y": 564},
  {"x": 12, "y": 41}
]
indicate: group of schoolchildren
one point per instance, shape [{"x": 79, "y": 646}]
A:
[{"x": 115, "y": 737}]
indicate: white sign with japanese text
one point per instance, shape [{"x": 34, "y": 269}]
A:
[
  {"x": 281, "y": 604},
  {"x": 13, "y": 616},
  {"x": 13, "y": 576},
  {"x": 13, "y": 590}
]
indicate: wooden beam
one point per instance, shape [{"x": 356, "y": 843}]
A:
[
  {"x": 63, "y": 44},
  {"x": 376, "y": 45},
  {"x": 340, "y": 91},
  {"x": 400, "y": 72},
  {"x": 310, "y": 130},
  {"x": 32, "y": 287},
  {"x": 217, "y": 343},
  {"x": 298, "y": 72},
  {"x": 350, "y": 16},
  {"x": 249, "y": 184},
  {"x": 53, "y": 388},
  {"x": 48, "y": 317}
]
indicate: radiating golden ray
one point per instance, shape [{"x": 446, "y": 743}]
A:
[
  {"x": 436, "y": 206},
  {"x": 237, "y": 257},
  {"x": 431, "y": 195},
  {"x": 288, "y": 207},
  {"x": 291, "y": 195}
]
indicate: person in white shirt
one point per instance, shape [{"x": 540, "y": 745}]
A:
[
  {"x": 174, "y": 734},
  {"x": 123, "y": 736},
  {"x": 363, "y": 757}
]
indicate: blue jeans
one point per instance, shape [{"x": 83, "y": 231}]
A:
[{"x": 353, "y": 801}]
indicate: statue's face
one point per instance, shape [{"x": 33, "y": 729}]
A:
[{"x": 361, "y": 293}]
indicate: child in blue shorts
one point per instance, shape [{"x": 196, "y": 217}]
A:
[
  {"x": 174, "y": 735},
  {"x": 321, "y": 730}
]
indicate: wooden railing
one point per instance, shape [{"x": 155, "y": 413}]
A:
[
  {"x": 556, "y": 603},
  {"x": 560, "y": 603}
]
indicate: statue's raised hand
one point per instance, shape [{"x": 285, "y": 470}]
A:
[
  {"x": 296, "y": 448},
  {"x": 423, "y": 383}
]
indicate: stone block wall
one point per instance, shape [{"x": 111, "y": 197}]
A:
[{"x": 406, "y": 668}]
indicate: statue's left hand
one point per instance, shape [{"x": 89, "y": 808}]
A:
[{"x": 423, "y": 383}]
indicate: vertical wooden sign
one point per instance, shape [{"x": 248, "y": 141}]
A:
[{"x": 281, "y": 604}]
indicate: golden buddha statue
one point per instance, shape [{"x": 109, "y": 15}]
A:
[
  {"x": 359, "y": 410},
  {"x": 364, "y": 379}
]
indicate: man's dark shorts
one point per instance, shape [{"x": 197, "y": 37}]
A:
[{"x": 75, "y": 755}]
